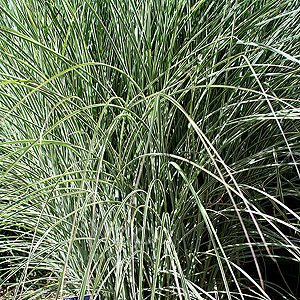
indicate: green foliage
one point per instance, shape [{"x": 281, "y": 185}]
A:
[{"x": 149, "y": 149}]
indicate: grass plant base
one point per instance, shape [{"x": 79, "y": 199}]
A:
[{"x": 86, "y": 297}]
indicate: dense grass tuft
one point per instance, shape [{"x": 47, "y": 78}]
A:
[{"x": 150, "y": 149}]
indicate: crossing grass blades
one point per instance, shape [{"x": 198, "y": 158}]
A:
[{"x": 150, "y": 149}]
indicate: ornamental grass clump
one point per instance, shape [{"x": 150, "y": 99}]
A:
[{"x": 150, "y": 149}]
